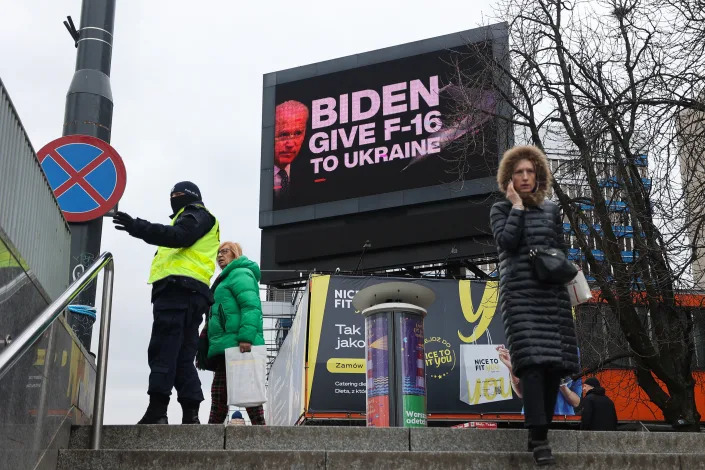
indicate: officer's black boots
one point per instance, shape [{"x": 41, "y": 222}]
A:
[
  {"x": 156, "y": 411},
  {"x": 190, "y": 410},
  {"x": 158, "y": 404}
]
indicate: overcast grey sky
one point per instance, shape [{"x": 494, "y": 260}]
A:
[{"x": 187, "y": 87}]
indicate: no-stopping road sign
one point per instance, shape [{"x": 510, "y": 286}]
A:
[{"x": 86, "y": 174}]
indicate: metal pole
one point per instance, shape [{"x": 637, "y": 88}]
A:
[
  {"x": 102, "y": 371},
  {"x": 89, "y": 111}
]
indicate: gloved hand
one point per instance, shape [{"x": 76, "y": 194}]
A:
[
  {"x": 123, "y": 221},
  {"x": 202, "y": 361}
]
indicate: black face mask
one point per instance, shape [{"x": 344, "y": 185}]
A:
[
  {"x": 179, "y": 202},
  {"x": 187, "y": 193}
]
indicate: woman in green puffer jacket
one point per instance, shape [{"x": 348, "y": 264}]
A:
[{"x": 235, "y": 319}]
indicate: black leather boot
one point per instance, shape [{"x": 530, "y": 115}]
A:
[
  {"x": 542, "y": 453},
  {"x": 190, "y": 410},
  {"x": 156, "y": 411},
  {"x": 539, "y": 447}
]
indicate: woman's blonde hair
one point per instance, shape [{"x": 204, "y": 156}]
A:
[{"x": 235, "y": 247}]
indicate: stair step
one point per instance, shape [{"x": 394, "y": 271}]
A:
[
  {"x": 515, "y": 440},
  {"x": 153, "y": 437},
  {"x": 334, "y": 460},
  {"x": 316, "y": 438},
  {"x": 218, "y": 437},
  {"x": 323, "y": 438},
  {"x": 187, "y": 459},
  {"x": 509, "y": 460}
]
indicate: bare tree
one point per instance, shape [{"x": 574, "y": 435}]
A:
[{"x": 612, "y": 84}]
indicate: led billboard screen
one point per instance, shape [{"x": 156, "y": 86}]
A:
[
  {"x": 384, "y": 122},
  {"x": 372, "y": 147},
  {"x": 375, "y": 129}
]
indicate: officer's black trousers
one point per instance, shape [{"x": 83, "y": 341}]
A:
[{"x": 174, "y": 343}]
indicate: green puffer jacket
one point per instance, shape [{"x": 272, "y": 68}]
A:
[{"x": 236, "y": 315}]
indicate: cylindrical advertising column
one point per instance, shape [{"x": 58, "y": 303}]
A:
[
  {"x": 380, "y": 367},
  {"x": 411, "y": 370},
  {"x": 394, "y": 351}
]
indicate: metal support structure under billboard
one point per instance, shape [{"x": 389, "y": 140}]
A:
[{"x": 89, "y": 111}]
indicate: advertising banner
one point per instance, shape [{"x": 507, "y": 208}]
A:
[
  {"x": 378, "y": 372},
  {"x": 413, "y": 369},
  {"x": 464, "y": 314}
]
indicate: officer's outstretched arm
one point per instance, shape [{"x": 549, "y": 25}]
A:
[{"x": 187, "y": 229}]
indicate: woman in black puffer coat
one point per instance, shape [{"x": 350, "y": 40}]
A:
[{"x": 538, "y": 321}]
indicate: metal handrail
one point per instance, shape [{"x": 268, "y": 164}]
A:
[{"x": 17, "y": 347}]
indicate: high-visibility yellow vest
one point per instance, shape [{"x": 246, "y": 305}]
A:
[{"x": 196, "y": 261}]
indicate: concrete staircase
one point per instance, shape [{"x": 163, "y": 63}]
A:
[{"x": 317, "y": 447}]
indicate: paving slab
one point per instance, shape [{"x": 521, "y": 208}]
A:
[
  {"x": 641, "y": 442},
  {"x": 484, "y": 440},
  {"x": 152, "y": 436},
  {"x": 187, "y": 460},
  {"x": 693, "y": 461},
  {"x": 498, "y": 460},
  {"x": 515, "y": 440},
  {"x": 316, "y": 438}
]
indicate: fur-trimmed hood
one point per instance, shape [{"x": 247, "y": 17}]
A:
[{"x": 544, "y": 179}]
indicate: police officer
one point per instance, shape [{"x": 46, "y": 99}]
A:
[{"x": 180, "y": 276}]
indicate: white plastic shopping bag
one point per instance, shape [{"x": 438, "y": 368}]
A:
[
  {"x": 245, "y": 374},
  {"x": 483, "y": 377},
  {"x": 579, "y": 289}
]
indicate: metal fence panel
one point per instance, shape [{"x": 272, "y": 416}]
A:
[{"x": 29, "y": 213}]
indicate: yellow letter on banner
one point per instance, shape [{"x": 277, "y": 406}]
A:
[
  {"x": 484, "y": 312},
  {"x": 474, "y": 398},
  {"x": 506, "y": 391}
]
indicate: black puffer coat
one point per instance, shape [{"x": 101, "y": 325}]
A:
[
  {"x": 538, "y": 321},
  {"x": 598, "y": 413}
]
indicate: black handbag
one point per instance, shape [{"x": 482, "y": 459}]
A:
[{"x": 552, "y": 266}]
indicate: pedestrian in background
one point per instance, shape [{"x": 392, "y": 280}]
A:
[
  {"x": 537, "y": 315},
  {"x": 180, "y": 273},
  {"x": 235, "y": 320},
  {"x": 236, "y": 419},
  {"x": 599, "y": 413}
]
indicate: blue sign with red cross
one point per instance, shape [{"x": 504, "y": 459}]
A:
[{"x": 86, "y": 174}]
